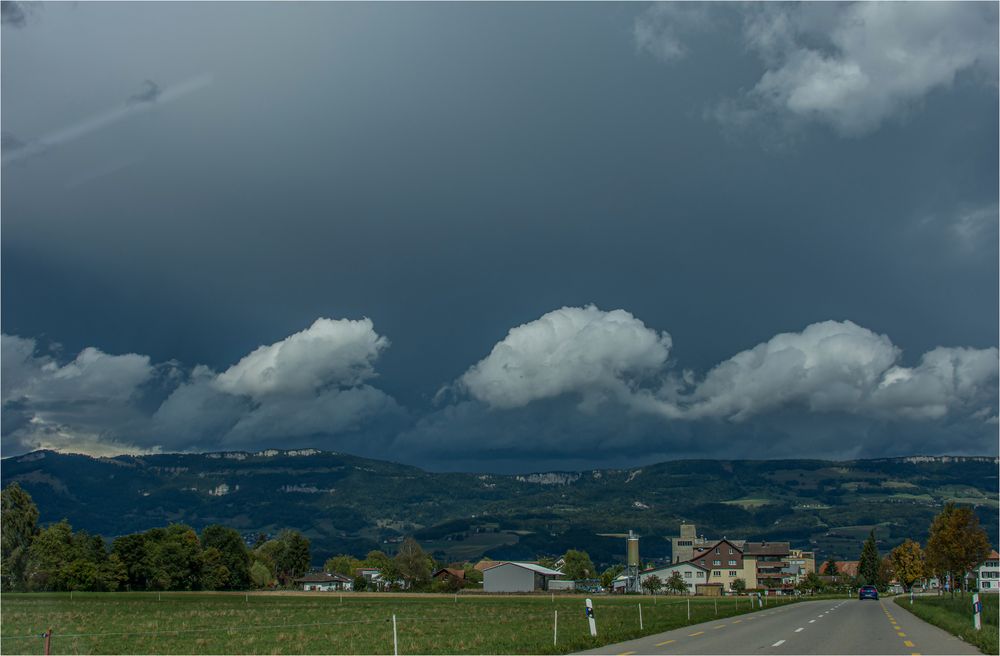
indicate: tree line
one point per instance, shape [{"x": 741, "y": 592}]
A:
[
  {"x": 956, "y": 545},
  {"x": 57, "y": 558}
]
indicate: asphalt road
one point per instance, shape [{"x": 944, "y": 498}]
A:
[{"x": 845, "y": 626}]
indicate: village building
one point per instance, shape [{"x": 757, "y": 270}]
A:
[
  {"x": 324, "y": 582},
  {"x": 692, "y": 573},
  {"x": 987, "y": 575},
  {"x": 518, "y": 577},
  {"x": 450, "y": 574}
]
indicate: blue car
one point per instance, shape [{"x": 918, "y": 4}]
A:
[{"x": 868, "y": 592}]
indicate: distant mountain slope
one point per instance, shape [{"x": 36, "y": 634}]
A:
[{"x": 350, "y": 504}]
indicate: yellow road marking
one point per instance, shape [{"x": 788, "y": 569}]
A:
[
  {"x": 665, "y": 642},
  {"x": 737, "y": 621},
  {"x": 719, "y": 626},
  {"x": 896, "y": 627},
  {"x": 691, "y": 635},
  {"x": 626, "y": 653},
  {"x": 908, "y": 643},
  {"x": 900, "y": 634}
]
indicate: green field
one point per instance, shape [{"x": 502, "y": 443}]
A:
[
  {"x": 954, "y": 614},
  {"x": 203, "y": 623}
]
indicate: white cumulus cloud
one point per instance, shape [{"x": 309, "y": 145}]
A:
[
  {"x": 583, "y": 350},
  {"x": 331, "y": 352}
]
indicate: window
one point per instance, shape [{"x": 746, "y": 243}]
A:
[
  {"x": 716, "y": 573},
  {"x": 716, "y": 562},
  {"x": 702, "y": 561},
  {"x": 701, "y": 575},
  {"x": 684, "y": 543},
  {"x": 687, "y": 575},
  {"x": 731, "y": 552},
  {"x": 732, "y": 563},
  {"x": 732, "y": 572},
  {"x": 716, "y": 551}
]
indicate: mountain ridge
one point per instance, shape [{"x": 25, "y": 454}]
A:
[{"x": 353, "y": 504}]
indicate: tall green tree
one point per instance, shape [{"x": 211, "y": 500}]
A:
[
  {"x": 956, "y": 544},
  {"x": 413, "y": 563},
  {"x": 578, "y": 565},
  {"x": 739, "y": 586},
  {"x": 233, "y": 555},
  {"x": 18, "y": 527},
  {"x": 289, "y": 555},
  {"x": 49, "y": 557},
  {"x": 830, "y": 567},
  {"x": 174, "y": 555},
  {"x": 868, "y": 563},
  {"x": 131, "y": 553}
]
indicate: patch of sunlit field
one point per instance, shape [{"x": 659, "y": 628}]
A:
[{"x": 215, "y": 623}]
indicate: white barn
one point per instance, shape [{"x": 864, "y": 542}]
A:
[
  {"x": 518, "y": 577},
  {"x": 692, "y": 574}
]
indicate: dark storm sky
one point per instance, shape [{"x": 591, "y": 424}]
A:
[{"x": 453, "y": 171}]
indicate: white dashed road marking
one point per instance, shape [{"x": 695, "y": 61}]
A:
[
  {"x": 801, "y": 628},
  {"x": 778, "y": 644},
  {"x": 811, "y": 621}
]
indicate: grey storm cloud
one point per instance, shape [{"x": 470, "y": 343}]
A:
[
  {"x": 9, "y": 141},
  {"x": 597, "y": 380},
  {"x": 13, "y": 13},
  {"x": 784, "y": 216}
]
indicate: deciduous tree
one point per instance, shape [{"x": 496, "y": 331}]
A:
[
  {"x": 19, "y": 518},
  {"x": 908, "y": 562},
  {"x": 652, "y": 584},
  {"x": 956, "y": 544},
  {"x": 578, "y": 565}
]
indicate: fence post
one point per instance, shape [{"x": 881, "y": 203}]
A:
[
  {"x": 640, "y": 617},
  {"x": 689, "y": 610},
  {"x": 555, "y": 629},
  {"x": 48, "y": 642},
  {"x": 716, "y": 601},
  {"x": 395, "y": 640}
]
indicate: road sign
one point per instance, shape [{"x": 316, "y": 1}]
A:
[
  {"x": 977, "y": 611},
  {"x": 590, "y": 618}
]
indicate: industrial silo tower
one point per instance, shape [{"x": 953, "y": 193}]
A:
[{"x": 632, "y": 561}]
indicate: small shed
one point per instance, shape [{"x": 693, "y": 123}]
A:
[
  {"x": 324, "y": 582},
  {"x": 518, "y": 577}
]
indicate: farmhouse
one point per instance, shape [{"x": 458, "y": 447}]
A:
[
  {"x": 518, "y": 577},
  {"x": 692, "y": 573},
  {"x": 988, "y": 574},
  {"x": 323, "y": 582}
]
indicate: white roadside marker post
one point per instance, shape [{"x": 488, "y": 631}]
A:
[
  {"x": 640, "y": 617},
  {"x": 689, "y": 610},
  {"x": 590, "y": 618},
  {"x": 555, "y": 629},
  {"x": 977, "y": 611},
  {"x": 395, "y": 640}
]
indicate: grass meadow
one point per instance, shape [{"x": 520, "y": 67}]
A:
[
  {"x": 954, "y": 614},
  {"x": 294, "y": 623}
]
